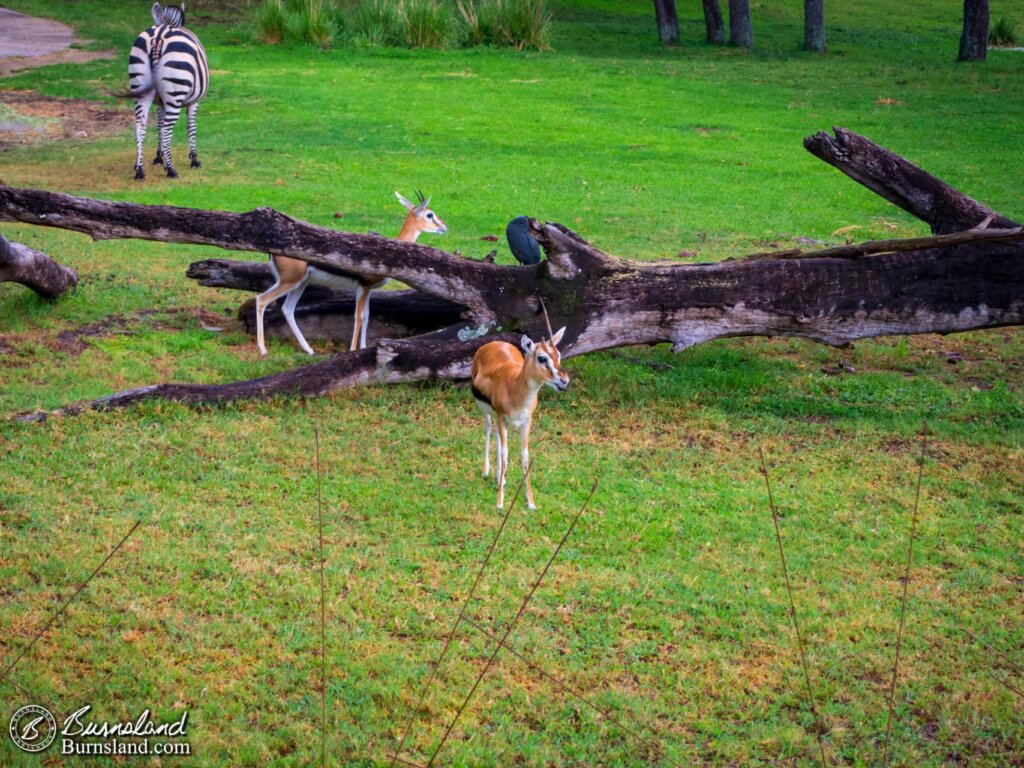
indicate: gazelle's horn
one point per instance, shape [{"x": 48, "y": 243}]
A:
[
  {"x": 420, "y": 196},
  {"x": 547, "y": 321}
]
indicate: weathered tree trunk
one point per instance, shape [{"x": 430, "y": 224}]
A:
[
  {"x": 668, "y": 21},
  {"x": 741, "y": 30},
  {"x": 974, "y": 39},
  {"x": 814, "y": 25},
  {"x": 902, "y": 183},
  {"x": 714, "y": 22},
  {"x": 34, "y": 269},
  {"x": 958, "y": 281}
]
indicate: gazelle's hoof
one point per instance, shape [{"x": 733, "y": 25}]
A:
[{"x": 531, "y": 506}]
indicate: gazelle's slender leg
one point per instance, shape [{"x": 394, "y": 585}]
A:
[
  {"x": 362, "y": 296},
  {"x": 524, "y": 436},
  {"x": 142, "y": 105},
  {"x": 502, "y": 453},
  {"x": 366, "y": 320},
  {"x": 290, "y": 302},
  {"x": 502, "y": 460},
  {"x": 159, "y": 127},
  {"x": 263, "y": 301},
  {"x": 487, "y": 445},
  {"x": 193, "y": 154}
]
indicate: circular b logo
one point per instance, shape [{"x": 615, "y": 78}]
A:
[{"x": 33, "y": 728}]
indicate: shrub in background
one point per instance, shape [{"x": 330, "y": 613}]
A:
[
  {"x": 526, "y": 23},
  {"x": 429, "y": 23},
  {"x": 406, "y": 23},
  {"x": 271, "y": 24},
  {"x": 316, "y": 24},
  {"x": 1003, "y": 33}
]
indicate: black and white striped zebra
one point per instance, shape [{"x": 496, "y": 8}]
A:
[{"x": 167, "y": 65}]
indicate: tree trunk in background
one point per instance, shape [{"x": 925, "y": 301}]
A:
[
  {"x": 714, "y": 22},
  {"x": 34, "y": 269},
  {"x": 814, "y": 25},
  {"x": 668, "y": 21},
  {"x": 974, "y": 40},
  {"x": 741, "y": 32}
]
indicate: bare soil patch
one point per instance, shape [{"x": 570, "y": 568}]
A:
[
  {"x": 27, "y": 117},
  {"x": 75, "y": 340}
]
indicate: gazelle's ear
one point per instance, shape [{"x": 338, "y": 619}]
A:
[
  {"x": 157, "y": 12},
  {"x": 558, "y": 336},
  {"x": 408, "y": 206},
  {"x": 526, "y": 344}
]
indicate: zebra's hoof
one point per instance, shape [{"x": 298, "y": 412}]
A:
[
  {"x": 171, "y": 173},
  {"x": 196, "y": 163},
  {"x": 158, "y": 160},
  {"x": 139, "y": 174}
]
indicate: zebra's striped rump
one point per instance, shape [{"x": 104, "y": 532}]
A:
[{"x": 167, "y": 65}]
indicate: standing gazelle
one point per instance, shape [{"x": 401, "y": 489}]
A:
[
  {"x": 293, "y": 275},
  {"x": 505, "y": 387}
]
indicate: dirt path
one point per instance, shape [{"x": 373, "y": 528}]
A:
[
  {"x": 25, "y": 116},
  {"x": 27, "y": 42}
]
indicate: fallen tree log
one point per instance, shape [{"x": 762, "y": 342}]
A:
[
  {"x": 972, "y": 279},
  {"x": 902, "y": 183},
  {"x": 34, "y": 269}
]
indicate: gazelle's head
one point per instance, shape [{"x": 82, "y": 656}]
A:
[
  {"x": 173, "y": 15},
  {"x": 419, "y": 219},
  {"x": 543, "y": 363}
]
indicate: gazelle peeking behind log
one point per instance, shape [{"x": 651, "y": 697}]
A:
[
  {"x": 293, "y": 275},
  {"x": 505, "y": 387}
]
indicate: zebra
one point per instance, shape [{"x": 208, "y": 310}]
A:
[{"x": 167, "y": 64}]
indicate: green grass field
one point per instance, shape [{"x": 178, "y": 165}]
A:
[{"x": 668, "y": 605}]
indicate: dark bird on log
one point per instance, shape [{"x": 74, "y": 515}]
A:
[{"x": 521, "y": 242}]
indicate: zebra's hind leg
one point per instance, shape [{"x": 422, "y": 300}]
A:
[
  {"x": 192, "y": 154},
  {"x": 142, "y": 104},
  {"x": 158, "y": 160},
  {"x": 166, "y": 128}
]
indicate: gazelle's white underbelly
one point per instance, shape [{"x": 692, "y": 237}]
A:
[
  {"x": 517, "y": 419},
  {"x": 337, "y": 282}
]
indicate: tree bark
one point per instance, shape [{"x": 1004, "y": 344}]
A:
[
  {"x": 34, "y": 269},
  {"x": 814, "y": 25},
  {"x": 901, "y": 182},
  {"x": 974, "y": 38},
  {"x": 714, "y": 23},
  {"x": 668, "y": 21},
  {"x": 951, "y": 282},
  {"x": 741, "y": 30}
]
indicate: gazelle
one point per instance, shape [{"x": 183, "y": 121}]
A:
[
  {"x": 293, "y": 275},
  {"x": 505, "y": 387}
]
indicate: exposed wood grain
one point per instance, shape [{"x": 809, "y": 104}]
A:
[{"x": 35, "y": 270}]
